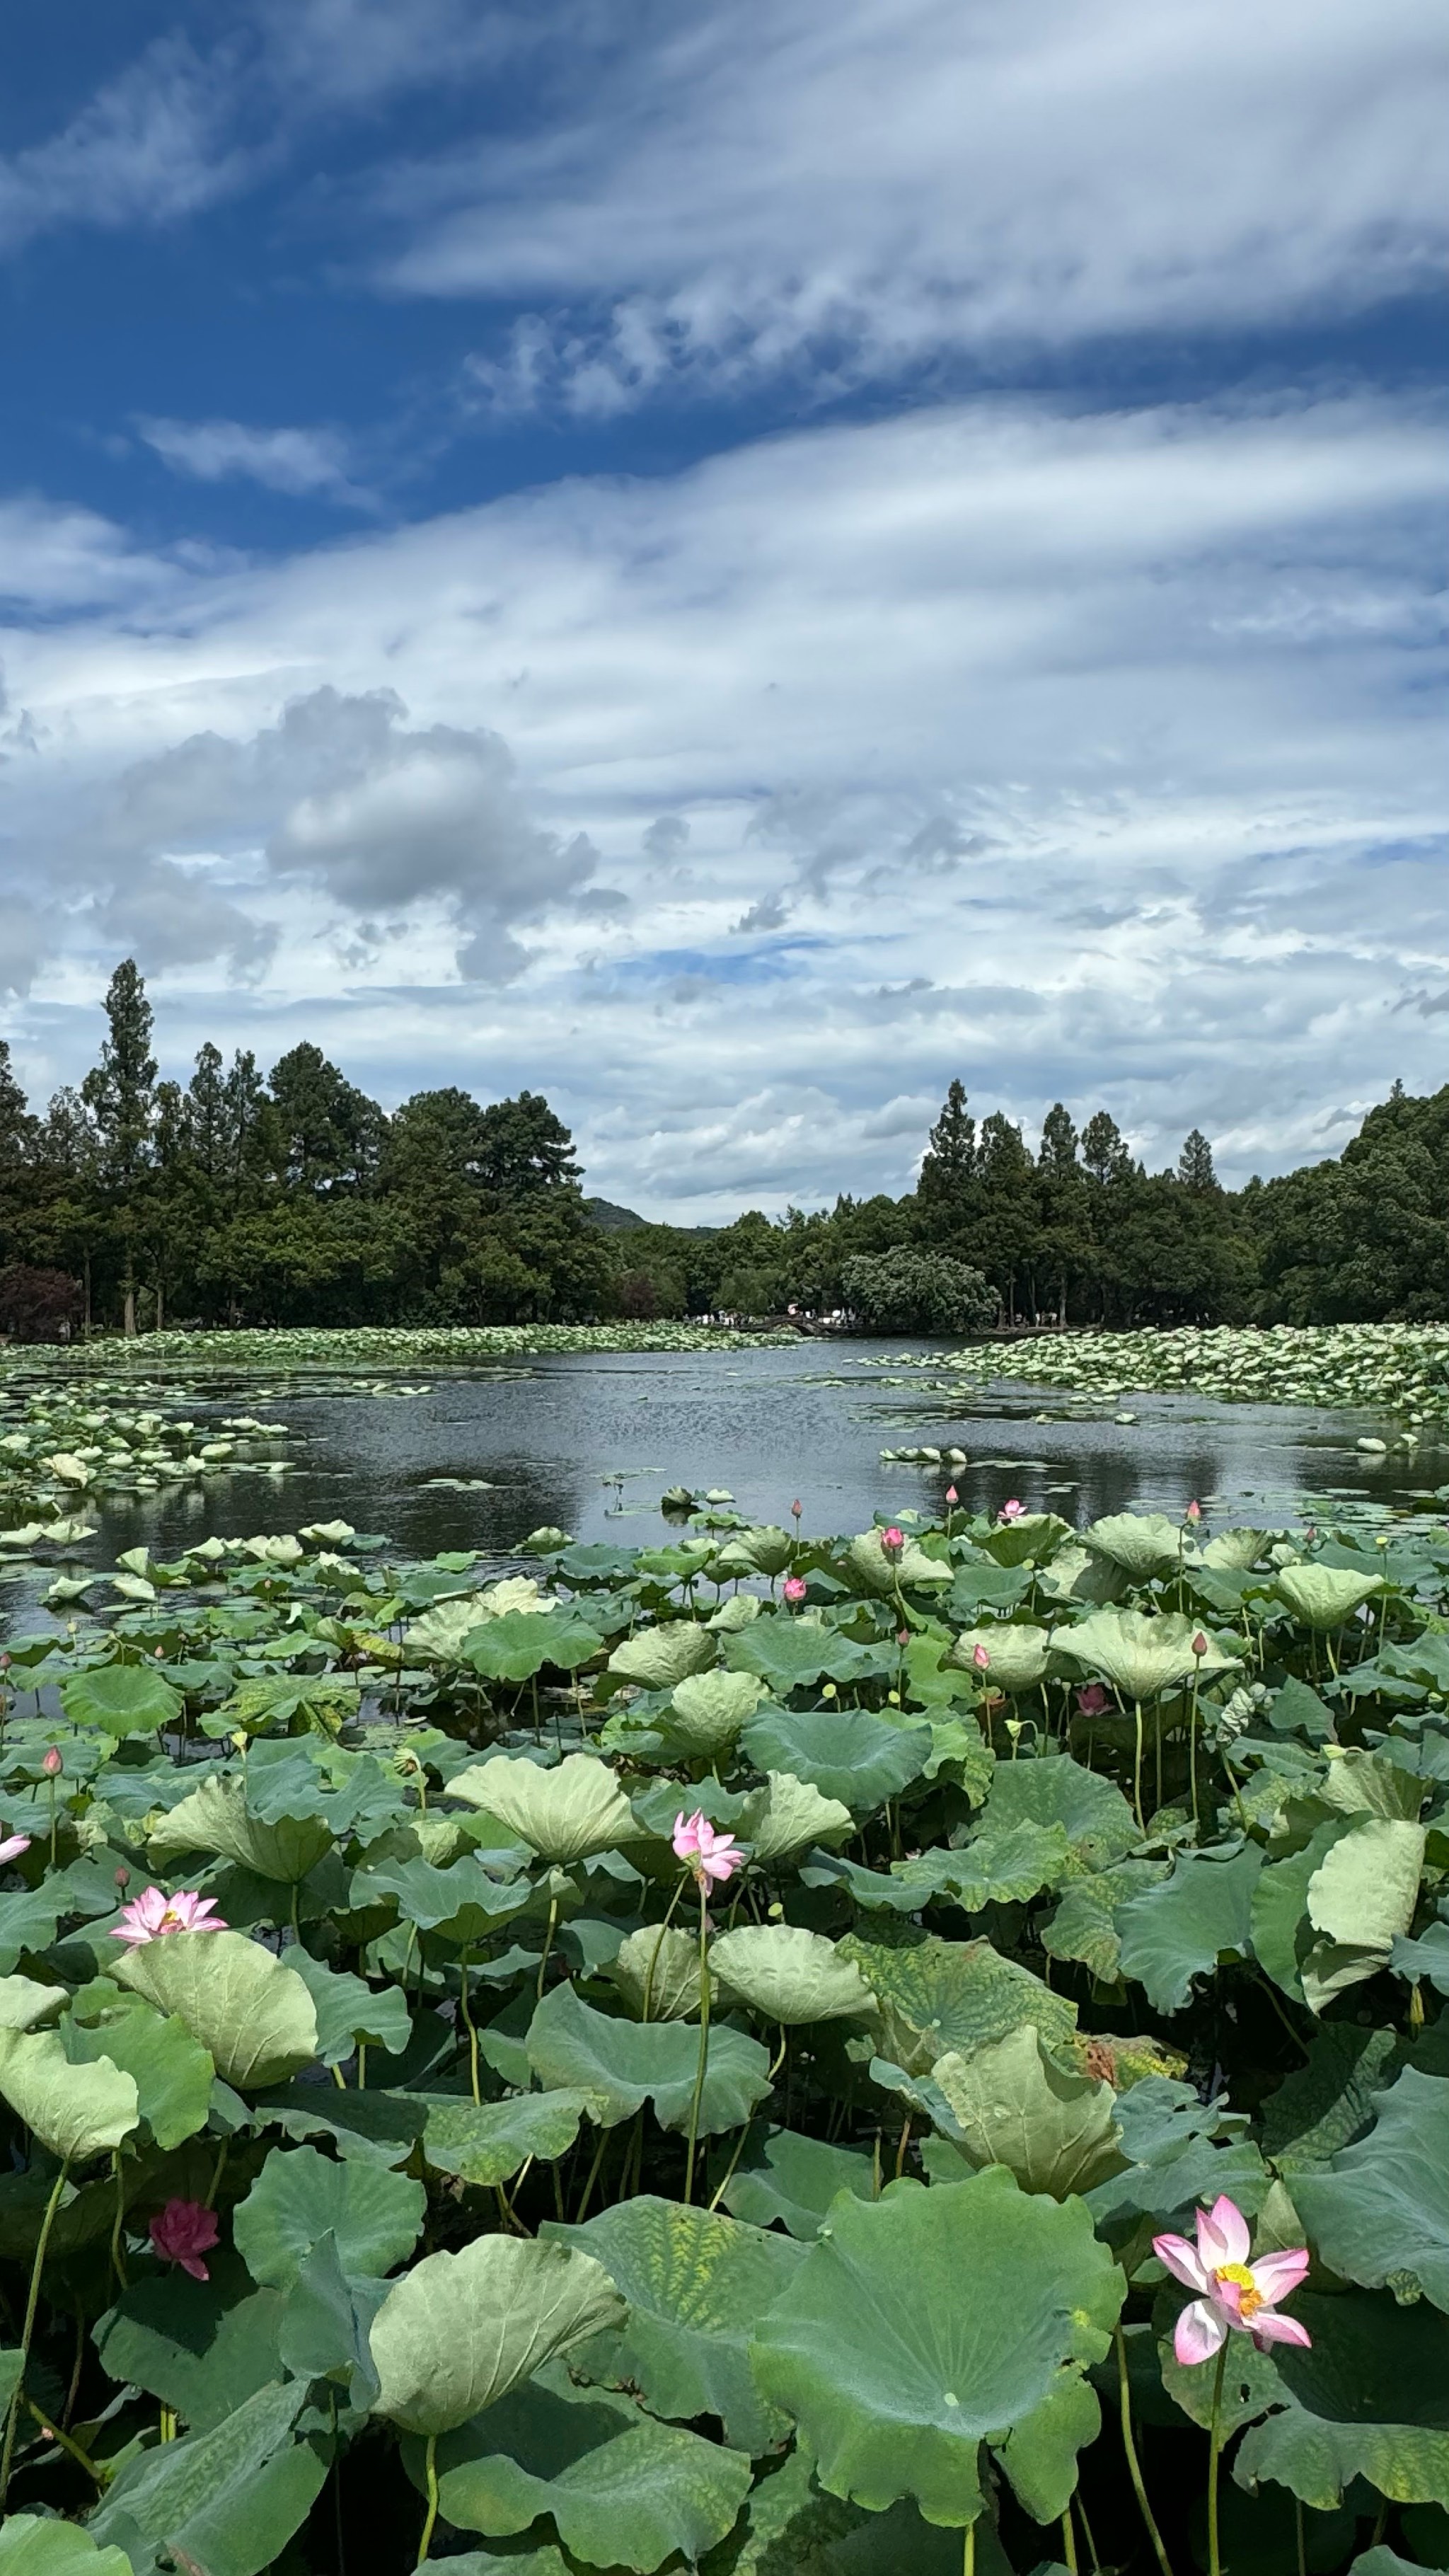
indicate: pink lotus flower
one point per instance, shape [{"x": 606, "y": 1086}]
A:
[
  {"x": 182, "y": 2232},
  {"x": 154, "y": 1912},
  {"x": 1092, "y": 1700},
  {"x": 980, "y": 1658},
  {"x": 1234, "y": 2295},
  {"x": 893, "y": 1540},
  {"x": 713, "y": 1857},
  {"x": 13, "y": 1846},
  {"x": 1011, "y": 1511},
  {"x": 1199, "y": 1643},
  {"x": 53, "y": 1764},
  {"x": 796, "y": 1508},
  {"x": 952, "y": 1497},
  {"x": 1193, "y": 1512},
  {"x": 793, "y": 1587}
]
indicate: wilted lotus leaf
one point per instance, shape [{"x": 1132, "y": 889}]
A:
[
  {"x": 789, "y": 1975},
  {"x": 216, "y": 1818},
  {"x": 1016, "y": 1656},
  {"x": 254, "y": 2016},
  {"x": 564, "y": 1814},
  {"x": 1323, "y": 1596},
  {"x": 1015, "y": 2106},
  {"x": 75, "y": 2111},
  {"x": 1143, "y": 1653},
  {"x": 460, "y": 2330}
]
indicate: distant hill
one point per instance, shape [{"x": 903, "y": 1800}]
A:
[{"x": 618, "y": 1220}]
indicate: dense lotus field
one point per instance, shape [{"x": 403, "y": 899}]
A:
[
  {"x": 881, "y": 2056},
  {"x": 1399, "y": 1368},
  {"x": 395, "y": 1345}
]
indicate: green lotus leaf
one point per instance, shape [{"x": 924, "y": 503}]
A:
[
  {"x": 1084, "y": 1926},
  {"x": 788, "y": 1975},
  {"x": 486, "y": 2143},
  {"x": 1368, "y": 2399},
  {"x": 463, "y": 1903},
  {"x": 75, "y": 2111},
  {"x": 1031, "y": 1537},
  {"x": 845, "y": 1753},
  {"x": 1234, "y": 1551},
  {"x": 1180, "y": 1929},
  {"x": 787, "y": 1816},
  {"x": 350, "y": 2011},
  {"x": 941, "y": 1995},
  {"x": 664, "y": 1961},
  {"x": 564, "y": 1814},
  {"x": 1426, "y": 1957},
  {"x": 24, "y": 2002},
  {"x": 437, "y": 1637},
  {"x": 251, "y": 2013},
  {"x": 1005, "y": 1866},
  {"x": 121, "y": 1699},
  {"x": 1141, "y": 1543},
  {"x": 707, "y": 1710},
  {"x": 195, "y": 2345},
  {"x": 697, "y": 2285},
  {"x": 1357, "y": 1783},
  {"x": 171, "y": 2070},
  {"x": 1016, "y": 1655},
  {"x": 1056, "y": 1790},
  {"x": 1142, "y": 1652},
  {"x": 1328, "y": 2102},
  {"x": 374, "y": 2214},
  {"x": 622, "y": 2490},
  {"x": 791, "y": 2180},
  {"x": 1016, "y": 2106},
  {"x": 229, "y": 2497},
  {"x": 1379, "y": 2212},
  {"x": 895, "y": 2378},
  {"x": 790, "y": 1653},
  {"x": 658, "y": 1658},
  {"x": 910, "y": 1568},
  {"x": 622, "y": 2064},
  {"x": 1282, "y": 1935},
  {"x": 32, "y": 2544},
  {"x": 326, "y": 2323},
  {"x": 1322, "y": 1597},
  {"x": 1360, "y": 1899},
  {"x": 215, "y": 1818},
  {"x": 518, "y": 1644},
  {"x": 765, "y": 1550},
  {"x": 459, "y": 2331}
]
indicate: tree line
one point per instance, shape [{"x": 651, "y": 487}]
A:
[{"x": 291, "y": 1197}]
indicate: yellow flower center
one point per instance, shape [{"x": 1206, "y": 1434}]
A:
[{"x": 1242, "y": 2279}]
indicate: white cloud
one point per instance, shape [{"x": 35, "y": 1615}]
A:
[
  {"x": 843, "y": 194},
  {"x": 296, "y": 461},
  {"x": 150, "y": 147},
  {"x": 1089, "y": 756}
]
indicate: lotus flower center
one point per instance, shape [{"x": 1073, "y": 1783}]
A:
[
  {"x": 1251, "y": 2297},
  {"x": 171, "y": 1920}
]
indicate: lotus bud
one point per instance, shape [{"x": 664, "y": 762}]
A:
[
  {"x": 1193, "y": 1512},
  {"x": 1011, "y": 1511},
  {"x": 893, "y": 1540},
  {"x": 980, "y": 1657},
  {"x": 54, "y": 1763},
  {"x": 952, "y": 1496},
  {"x": 1199, "y": 1643},
  {"x": 796, "y": 1508},
  {"x": 793, "y": 1587}
]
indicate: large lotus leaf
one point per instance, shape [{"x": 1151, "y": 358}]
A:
[
  {"x": 195, "y": 2345},
  {"x": 1368, "y": 2399},
  {"x": 460, "y": 2330},
  {"x": 697, "y": 2285},
  {"x": 24, "y": 2002},
  {"x": 299, "y": 2197},
  {"x": 622, "y": 2064},
  {"x": 763, "y": 1550},
  {"x": 32, "y": 2545},
  {"x": 791, "y": 2179},
  {"x": 1327, "y": 2103},
  {"x": 874, "y": 1570},
  {"x": 1380, "y": 2211},
  {"x": 926, "y": 2322},
  {"x": 1323, "y": 1596},
  {"x": 463, "y": 1903},
  {"x": 663, "y": 1962},
  {"x": 215, "y": 1819},
  {"x": 623, "y": 2491},
  {"x": 941, "y": 1995},
  {"x": 1142, "y": 1543},
  {"x": 1056, "y": 1790},
  {"x": 845, "y": 1753},
  {"x": 326, "y": 2323},
  {"x": 1029, "y": 1539},
  {"x": 437, "y": 1637},
  {"x": 787, "y": 1816},
  {"x": 1360, "y": 1899},
  {"x": 788, "y": 1974},
  {"x": 1369, "y": 1784},
  {"x": 658, "y": 1658},
  {"x": 1426, "y": 1957},
  {"x": 349, "y": 2011},
  {"x": 564, "y": 1814},
  {"x": 28, "y": 1920},
  {"x": 1143, "y": 1653},
  {"x": 230, "y": 2497},
  {"x": 518, "y": 1643},
  {"x": 1002, "y": 1867},
  {"x": 1234, "y": 1551},
  {"x": 254, "y": 2016},
  {"x": 1282, "y": 1935},
  {"x": 1084, "y": 1926},
  {"x": 75, "y": 2111},
  {"x": 487, "y": 2143},
  {"x": 1179, "y": 1929},
  {"x": 1015, "y": 2106},
  {"x": 1016, "y": 1654},
  {"x": 172, "y": 2071},
  {"x": 790, "y": 1653},
  {"x": 707, "y": 1710},
  {"x": 121, "y": 1699}
]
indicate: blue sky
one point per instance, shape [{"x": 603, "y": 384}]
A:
[{"x": 732, "y": 563}]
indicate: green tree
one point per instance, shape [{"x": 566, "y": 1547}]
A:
[
  {"x": 524, "y": 1149},
  {"x": 908, "y": 1291},
  {"x": 119, "y": 1094}
]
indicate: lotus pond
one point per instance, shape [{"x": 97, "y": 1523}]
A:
[{"x": 706, "y": 2037}]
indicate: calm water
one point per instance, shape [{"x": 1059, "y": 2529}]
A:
[{"x": 550, "y": 1436}]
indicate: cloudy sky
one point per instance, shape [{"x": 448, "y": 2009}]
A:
[{"x": 730, "y": 560}]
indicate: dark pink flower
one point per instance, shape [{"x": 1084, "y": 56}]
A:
[
  {"x": 893, "y": 1540},
  {"x": 1199, "y": 1643},
  {"x": 182, "y": 2232},
  {"x": 793, "y": 1587},
  {"x": 1092, "y": 1700}
]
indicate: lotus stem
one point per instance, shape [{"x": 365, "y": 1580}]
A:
[
  {"x": 581, "y": 2213},
  {"x": 1192, "y": 1742},
  {"x": 658, "y": 1946},
  {"x": 466, "y": 2009},
  {"x": 729, "y": 2172},
  {"x": 968, "y": 2555},
  {"x": 1300, "y": 2536},
  {"x": 430, "y": 2471},
  {"x": 76, "y": 2453},
  {"x": 118, "y": 2259},
  {"x": 1137, "y": 1768},
  {"x": 903, "y": 2148},
  {"x": 1134, "y": 2465},
  {"x": 12, "y": 2416},
  {"x": 547, "y": 1947},
  {"x": 1069, "y": 2544},
  {"x": 1215, "y": 2452},
  {"x": 699, "y": 2072},
  {"x": 218, "y": 2169}
]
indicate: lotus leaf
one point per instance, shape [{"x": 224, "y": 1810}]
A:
[
  {"x": 793, "y": 2179},
  {"x": 788, "y": 1975},
  {"x": 1003, "y": 1866},
  {"x": 1361, "y": 1898},
  {"x": 622, "y": 2064},
  {"x": 194, "y": 2344},
  {"x": 788, "y": 1815},
  {"x": 75, "y": 2111},
  {"x": 658, "y": 1658},
  {"x": 1324, "y": 1596},
  {"x": 873, "y": 1570},
  {"x": 936, "y": 1996},
  {"x": 1379, "y": 2211},
  {"x": 486, "y": 2144},
  {"x": 373, "y": 2214},
  {"x": 215, "y": 1818},
  {"x": 564, "y": 1814},
  {"x": 1056, "y": 1790},
  {"x": 895, "y": 2379},
  {"x": 664, "y": 1962},
  {"x": 121, "y": 1699},
  {"x": 1143, "y": 1653},
  {"x": 1366, "y": 2400},
  {"x": 459, "y": 2331},
  {"x": 1015, "y": 2106},
  {"x": 35, "y": 2545},
  {"x": 845, "y": 1753},
  {"x": 518, "y": 1643},
  {"x": 172, "y": 2072},
  {"x": 230, "y": 2497},
  {"x": 1016, "y": 1655},
  {"x": 791, "y": 1653},
  {"x": 1031, "y": 1538},
  {"x": 1143, "y": 1544},
  {"x": 707, "y": 1710},
  {"x": 1179, "y": 1929},
  {"x": 350, "y": 2011},
  {"x": 24, "y": 2002},
  {"x": 252, "y": 2014}
]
